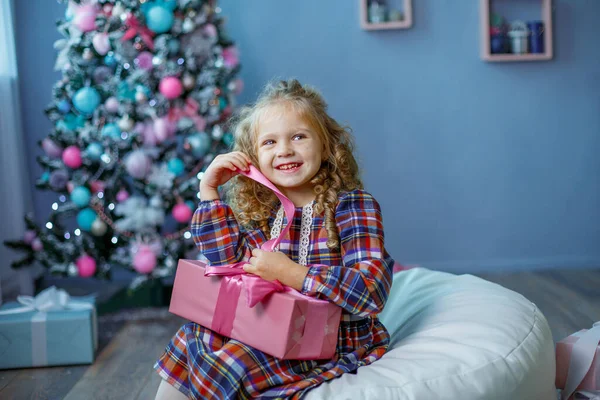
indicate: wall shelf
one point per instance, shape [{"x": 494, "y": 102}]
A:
[
  {"x": 403, "y": 24},
  {"x": 486, "y": 53}
]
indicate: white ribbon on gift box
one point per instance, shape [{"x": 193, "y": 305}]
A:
[
  {"x": 50, "y": 299},
  {"x": 582, "y": 356}
]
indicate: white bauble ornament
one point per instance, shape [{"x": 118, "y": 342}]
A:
[
  {"x": 126, "y": 123},
  {"x": 99, "y": 228}
]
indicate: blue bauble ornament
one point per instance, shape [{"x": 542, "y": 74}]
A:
[
  {"x": 86, "y": 100},
  {"x": 222, "y": 103},
  {"x": 191, "y": 204},
  {"x": 228, "y": 139},
  {"x": 72, "y": 121},
  {"x": 45, "y": 177},
  {"x": 64, "y": 106},
  {"x": 125, "y": 91},
  {"x": 159, "y": 19},
  {"x": 176, "y": 166},
  {"x": 85, "y": 219},
  {"x": 173, "y": 46},
  {"x": 110, "y": 60},
  {"x": 111, "y": 130},
  {"x": 81, "y": 196},
  {"x": 200, "y": 144},
  {"x": 94, "y": 151}
]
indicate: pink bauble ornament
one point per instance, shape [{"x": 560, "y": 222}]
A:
[
  {"x": 70, "y": 186},
  {"x": 137, "y": 164},
  {"x": 72, "y": 157},
  {"x": 112, "y": 105},
  {"x": 144, "y": 60},
  {"x": 210, "y": 30},
  {"x": 86, "y": 266},
  {"x": 144, "y": 260},
  {"x": 182, "y": 213},
  {"x": 231, "y": 57},
  {"x": 170, "y": 87},
  {"x": 97, "y": 186},
  {"x": 101, "y": 43},
  {"x": 122, "y": 195},
  {"x": 52, "y": 149},
  {"x": 161, "y": 129},
  {"x": 29, "y": 236},
  {"x": 37, "y": 245},
  {"x": 85, "y": 18}
]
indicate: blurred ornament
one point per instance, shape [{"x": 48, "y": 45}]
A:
[
  {"x": 138, "y": 164},
  {"x": 118, "y": 10},
  {"x": 107, "y": 9},
  {"x": 173, "y": 46},
  {"x": 72, "y": 157},
  {"x": 170, "y": 87},
  {"x": 236, "y": 86},
  {"x": 112, "y": 105},
  {"x": 29, "y": 236},
  {"x": 210, "y": 30},
  {"x": 97, "y": 186},
  {"x": 188, "y": 25},
  {"x": 126, "y": 123},
  {"x": 182, "y": 213},
  {"x": 156, "y": 202},
  {"x": 86, "y": 100},
  {"x": 51, "y": 149},
  {"x": 110, "y": 59},
  {"x": 86, "y": 266},
  {"x": 125, "y": 91},
  {"x": 188, "y": 81},
  {"x": 159, "y": 18},
  {"x": 222, "y": 103},
  {"x": 45, "y": 177},
  {"x": 64, "y": 106},
  {"x": 161, "y": 129},
  {"x": 85, "y": 17},
  {"x": 111, "y": 130},
  {"x": 231, "y": 57},
  {"x": 101, "y": 74},
  {"x": 85, "y": 219},
  {"x": 144, "y": 60},
  {"x": 140, "y": 97},
  {"x": 70, "y": 187},
  {"x": 200, "y": 143},
  {"x": 217, "y": 132},
  {"x": 176, "y": 166},
  {"x": 122, "y": 195},
  {"x": 37, "y": 244},
  {"x": 101, "y": 43},
  {"x": 228, "y": 139},
  {"x": 80, "y": 196},
  {"x": 144, "y": 260},
  {"x": 87, "y": 54},
  {"x": 58, "y": 179},
  {"x": 99, "y": 228},
  {"x": 94, "y": 151}
]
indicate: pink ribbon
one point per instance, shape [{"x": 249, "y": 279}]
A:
[
  {"x": 189, "y": 110},
  {"x": 136, "y": 28},
  {"x": 234, "y": 276}
]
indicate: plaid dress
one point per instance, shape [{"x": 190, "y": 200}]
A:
[{"x": 203, "y": 364}]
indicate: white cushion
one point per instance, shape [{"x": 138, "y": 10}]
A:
[{"x": 455, "y": 337}]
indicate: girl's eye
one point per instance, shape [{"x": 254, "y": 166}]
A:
[
  {"x": 268, "y": 142},
  {"x": 298, "y": 136}
]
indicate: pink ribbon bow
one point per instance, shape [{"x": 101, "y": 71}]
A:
[
  {"x": 256, "y": 288},
  {"x": 136, "y": 28},
  {"x": 189, "y": 110}
]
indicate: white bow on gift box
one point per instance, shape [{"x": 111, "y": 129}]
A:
[
  {"x": 582, "y": 357},
  {"x": 49, "y": 300}
]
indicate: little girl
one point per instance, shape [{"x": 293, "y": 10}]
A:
[{"x": 334, "y": 249}]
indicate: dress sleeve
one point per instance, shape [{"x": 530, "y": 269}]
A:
[
  {"x": 218, "y": 235},
  {"x": 362, "y": 284}
]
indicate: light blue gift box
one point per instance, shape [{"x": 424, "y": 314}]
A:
[{"x": 33, "y": 338}]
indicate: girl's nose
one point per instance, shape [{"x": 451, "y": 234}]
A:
[{"x": 284, "y": 150}]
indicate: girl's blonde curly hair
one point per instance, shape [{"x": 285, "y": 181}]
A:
[{"x": 252, "y": 203}]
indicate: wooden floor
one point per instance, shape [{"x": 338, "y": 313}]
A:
[{"x": 570, "y": 300}]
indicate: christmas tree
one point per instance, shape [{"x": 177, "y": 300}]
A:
[{"x": 141, "y": 110}]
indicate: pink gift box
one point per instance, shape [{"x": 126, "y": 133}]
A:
[
  {"x": 591, "y": 381},
  {"x": 287, "y": 325}
]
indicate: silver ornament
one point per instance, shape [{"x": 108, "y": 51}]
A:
[
  {"x": 87, "y": 54},
  {"x": 140, "y": 97},
  {"x": 217, "y": 132},
  {"x": 126, "y": 123},
  {"x": 188, "y": 26},
  {"x": 99, "y": 228},
  {"x": 188, "y": 81}
]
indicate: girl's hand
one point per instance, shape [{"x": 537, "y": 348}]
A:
[
  {"x": 222, "y": 169},
  {"x": 272, "y": 266}
]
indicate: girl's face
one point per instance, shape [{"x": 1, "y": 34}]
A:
[{"x": 289, "y": 152}]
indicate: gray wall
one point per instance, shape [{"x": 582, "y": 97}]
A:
[{"x": 478, "y": 166}]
